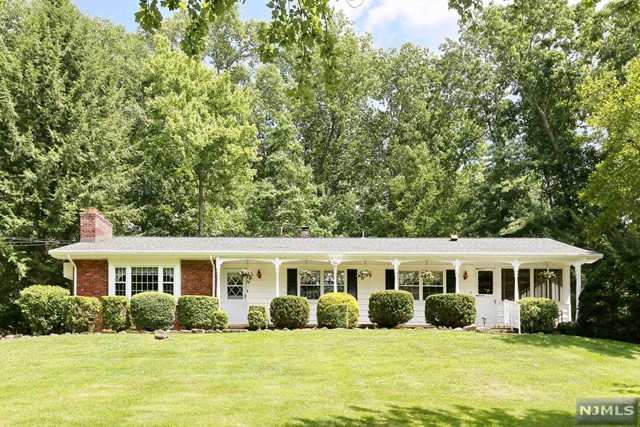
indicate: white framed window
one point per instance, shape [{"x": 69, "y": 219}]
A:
[
  {"x": 432, "y": 283},
  {"x": 409, "y": 281},
  {"x": 129, "y": 280},
  {"x": 235, "y": 286},
  {"x": 310, "y": 284}
]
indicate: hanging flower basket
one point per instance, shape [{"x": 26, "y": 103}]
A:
[
  {"x": 363, "y": 274},
  {"x": 246, "y": 275},
  {"x": 546, "y": 275},
  {"x": 427, "y": 277},
  {"x": 307, "y": 276}
]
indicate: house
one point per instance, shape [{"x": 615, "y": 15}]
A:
[{"x": 497, "y": 271}]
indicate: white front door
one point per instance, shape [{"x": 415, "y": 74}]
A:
[
  {"x": 235, "y": 299},
  {"x": 486, "y": 300}
]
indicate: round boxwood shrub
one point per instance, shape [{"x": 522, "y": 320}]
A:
[
  {"x": 388, "y": 309},
  {"x": 289, "y": 312},
  {"x": 219, "y": 320},
  {"x": 115, "y": 313},
  {"x": 450, "y": 310},
  {"x": 43, "y": 308},
  {"x": 194, "y": 311},
  {"x": 333, "y": 298},
  {"x": 81, "y": 314},
  {"x": 153, "y": 310},
  {"x": 538, "y": 314},
  {"x": 258, "y": 318}
]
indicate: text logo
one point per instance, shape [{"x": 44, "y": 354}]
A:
[{"x": 599, "y": 411}]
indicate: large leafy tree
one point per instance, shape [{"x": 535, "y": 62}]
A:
[{"x": 197, "y": 144}]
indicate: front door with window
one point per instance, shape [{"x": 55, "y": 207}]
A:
[
  {"x": 235, "y": 298},
  {"x": 486, "y": 299}
]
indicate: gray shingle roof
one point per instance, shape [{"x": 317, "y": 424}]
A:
[{"x": 288, "y": 246}]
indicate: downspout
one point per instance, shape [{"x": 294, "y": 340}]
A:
[
  {"x": 75, "y": 275},
  {"x": 213, "y": 276}
]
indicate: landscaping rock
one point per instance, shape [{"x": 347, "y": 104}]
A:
[
  {"x": 174, "y": 331},
  {"x": 458, "y": 329},
  {"x": 53, "y": 335},
  {"x": 122, "y": 332},
  {"x": 8, "y": 337},
  {"x": 185, "y": 331},
  {"x": 17, "y": 336},
  {"x": 483, "y": 329},
  {"x": 470, "y": 328},
  {"x": 108, "y": 331},
  {"x": 161, "y": 337},
  {"x": 197, "y": 331},
  {"x": 286, "y": 329}
]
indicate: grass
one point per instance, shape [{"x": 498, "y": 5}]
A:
[{"x": 310, "y": 378}]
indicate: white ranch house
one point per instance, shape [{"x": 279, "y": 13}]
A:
[{"x": 496, "y": 271}]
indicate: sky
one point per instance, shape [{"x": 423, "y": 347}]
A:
[{"x": 391, "y": 22}]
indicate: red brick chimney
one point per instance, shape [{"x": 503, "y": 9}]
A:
[
  {"x": 305, "y": 232},
  {"x": 94, "y": 226}
]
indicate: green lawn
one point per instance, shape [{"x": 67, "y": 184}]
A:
[{"x": 310, "y": 378}]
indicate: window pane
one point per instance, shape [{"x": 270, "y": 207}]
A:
[
  {"x": 121, "y": 281},
  {"x": 409, "y": 281},
  {"x": 235, "y": 286},
  {"x": 328, "y": 281},
  {"x": 310, "y": 285},
  {"x": 167, "y": 280},
  {"x": 485, "y": 282},
  {"x": 144, "y": 279},
  {"x": 432, "y": 282}
]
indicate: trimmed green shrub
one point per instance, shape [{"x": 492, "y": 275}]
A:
[
  {"x": 115, "y": 313},
  {"x": 153, "y": 310},
  {"x": 43, "y": 308},
  {"x": 258, "y": 318},
  {"x": 388, "y": 309},
  {"x": 290, "y": 312},
  {"x": 194, "y": 311},
  {"x": 450, "y": 310},
  {"x": 81, "y": 314},
  {"x": 568, "y": 328},
  {"x": 538, "y": 314},
  {"x": 333, "y": 298},
  {"x": 219, "y": 320},
  {"x": 336, "y": 316}
]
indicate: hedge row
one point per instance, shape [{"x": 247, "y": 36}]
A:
[{"x": 50, "y": 309}]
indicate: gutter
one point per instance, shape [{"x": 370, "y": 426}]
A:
[
  {"x": 75, "y": 275},
  {"x": 213, "y": 277}
]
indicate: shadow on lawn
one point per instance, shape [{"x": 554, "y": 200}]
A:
[
  {"x": 417, "y": 416},
  {"x": 600, "y": 346}
]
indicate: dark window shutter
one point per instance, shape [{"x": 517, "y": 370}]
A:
[
  {"x": 352, "y": 283},
  {"x": 451, "y": 281},
  {"x": 389, "y": 280},
  {"x": 292, "y": 281}
]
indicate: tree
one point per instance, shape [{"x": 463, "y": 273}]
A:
[
  {"x": 615, "y": 183},
  {"x": 67, "y": 88},
  {"x": 284, "y": 198},
  {"x": 196, "y": 138}
]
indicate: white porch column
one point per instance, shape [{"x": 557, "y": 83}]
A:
[
  {"x": 456, "y": 265},
  {"x": 516, "y": 288},
  {"x": 218, "y": 271},
  {"x": 276, "y": 264},
  {"x": 578, "y": 268},
  {"x": 335, "y": 263},
  {"x": 396, "y": 279}
]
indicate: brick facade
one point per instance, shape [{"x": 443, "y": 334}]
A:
[
  {"x": 197, "y": 278},
  {"x": 93, "y": 277},
  {"x": 94, "y": 226}
]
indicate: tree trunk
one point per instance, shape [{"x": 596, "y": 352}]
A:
[{"x": 200, "y": 207}]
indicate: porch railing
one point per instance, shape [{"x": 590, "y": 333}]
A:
[{"x": 512, "y": 314}]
